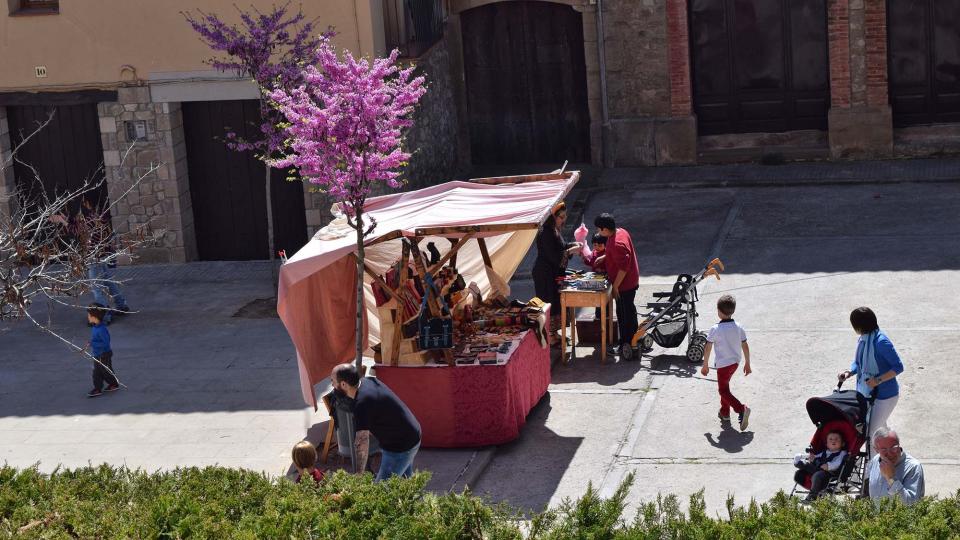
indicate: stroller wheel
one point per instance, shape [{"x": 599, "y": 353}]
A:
[
  {"x": 695, "y": 354},
  {"x": 627, "y": 352},
  {"x": 646, "y": 343}
]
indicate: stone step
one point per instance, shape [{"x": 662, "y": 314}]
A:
[{"x": 770, "y": 155}]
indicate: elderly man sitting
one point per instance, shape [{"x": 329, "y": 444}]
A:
[{"x": 893, "y": 472}]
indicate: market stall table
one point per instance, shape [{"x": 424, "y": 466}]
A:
[
  {"x": 478, "y": 405},
  {"x": 573, "y": 298}
]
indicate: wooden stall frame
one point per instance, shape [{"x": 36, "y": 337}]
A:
[{"x": 410, "y": 251}]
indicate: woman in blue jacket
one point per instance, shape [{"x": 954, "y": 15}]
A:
[{"x": 876, "y": 366}]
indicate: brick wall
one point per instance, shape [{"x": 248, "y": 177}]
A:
[
  {"x": 875, "y": 34},
  {"x": 678, "y": 31},
  {"x": 838, "y": 30},
  {"x": 860, "y": 120}
]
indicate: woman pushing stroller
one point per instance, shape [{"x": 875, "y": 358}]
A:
[{"x": 876, "y": 365}]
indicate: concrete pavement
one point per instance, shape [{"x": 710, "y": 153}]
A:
[
  {"x": 798, "y": 258},
  {"x": 203, "y": 386}
]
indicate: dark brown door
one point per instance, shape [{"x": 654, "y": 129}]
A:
[
  {"x": 62, "y": 156},
  {"x": 526, "y": 83},
  {"x": 227, "y": 187},
  {"x": 924, "y": 58},
  {"x": 759, "y": 66}
]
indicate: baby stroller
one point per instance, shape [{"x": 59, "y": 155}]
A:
[
  {"x": 844, "y": 411},
  {"x": 674, "y": 317}
]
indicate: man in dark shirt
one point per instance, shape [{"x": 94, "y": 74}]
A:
[{"x": 379, "y": 411}]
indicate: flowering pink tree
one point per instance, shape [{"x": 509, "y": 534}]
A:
[
  {"x": 345, "y": 128},
  {"x": 272, "y": 49}
]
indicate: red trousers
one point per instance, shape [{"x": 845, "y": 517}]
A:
[{"x": 727, "y": 399}]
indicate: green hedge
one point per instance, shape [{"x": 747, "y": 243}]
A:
[{"x": 103, "y": 502}]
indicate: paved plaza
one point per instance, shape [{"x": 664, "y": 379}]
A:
[{"x": 206, "y": 387}]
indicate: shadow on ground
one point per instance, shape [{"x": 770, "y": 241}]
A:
[{"x": 730, "y": 439}]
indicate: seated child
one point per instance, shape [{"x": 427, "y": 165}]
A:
[
  {"x": 596, "y": 260},
  {"x": 822, "y": 466},
  {"x": 305, "y": 460}
]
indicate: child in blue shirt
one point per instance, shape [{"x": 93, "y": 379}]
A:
[{"x": 100, "y": 349}]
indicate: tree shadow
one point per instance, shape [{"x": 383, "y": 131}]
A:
[{"x": 729, "y": 440}]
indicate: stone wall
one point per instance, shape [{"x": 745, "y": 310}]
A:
[
  {"x": 433, "y": 138},
  {"x": 8, "y": 199},
  {"x": 636, "y": 48},
  {"x": 162, "y": 198},
  {"x": 646, "y": 46}
]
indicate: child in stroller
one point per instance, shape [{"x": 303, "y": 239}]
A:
[
  {"x": 820, "y": 467},
  {"x": 842, "y": 417}
]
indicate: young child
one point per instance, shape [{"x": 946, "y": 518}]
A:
[
  {"x": 596, "y": 260},
  {"x": 821, "y": 466},
  {"x": 100, "y": 349},
  {"x": 305, "y": 460},
  {"x": 728, "y": 338}
]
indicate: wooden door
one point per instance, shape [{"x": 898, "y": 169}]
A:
[
  {"x": 59, "y": 158},
  {"x": 924, "y": 61},
  {"x": 759, "y": 66},
  {"x": 227, "y": 187},
  {"x": 526, "y": 83}
]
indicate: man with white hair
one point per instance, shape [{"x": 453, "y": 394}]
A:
[{"x": 893, "y": 472}]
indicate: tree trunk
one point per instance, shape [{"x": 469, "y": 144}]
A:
[
  {"x": 271, "y": 246},
  {"x": 360, "y": 255},
  {"x": 270, "y": 240}
]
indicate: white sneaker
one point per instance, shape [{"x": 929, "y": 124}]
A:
[{"x": 744, "y": 418}]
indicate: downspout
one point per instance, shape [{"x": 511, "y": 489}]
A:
[{"x": 601, "y": 40}]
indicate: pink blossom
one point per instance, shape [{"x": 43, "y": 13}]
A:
[{"x": 344, "y": 124}]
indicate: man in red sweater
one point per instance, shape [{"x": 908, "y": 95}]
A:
[{"x": 624, "y": 273}]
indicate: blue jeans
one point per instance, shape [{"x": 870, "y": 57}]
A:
[
  {"x": 396, "y": 463},
  {"x": 101, "y": 278}
]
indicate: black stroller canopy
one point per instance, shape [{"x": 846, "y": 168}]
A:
[{"x": 844, "y": 405}]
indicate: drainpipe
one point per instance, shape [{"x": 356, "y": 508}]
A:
[{"x": 603, "y": 81}]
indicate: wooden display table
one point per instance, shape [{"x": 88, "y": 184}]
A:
[{"x": 574, "y": 298}]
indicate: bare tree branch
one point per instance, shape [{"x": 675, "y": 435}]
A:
[{"x": 47, "y": 247}]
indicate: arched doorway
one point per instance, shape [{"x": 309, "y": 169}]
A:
[
  {"x": 526, "y": 83},
  {"x": 759, "y": 66},
  {"x": 924, "y": 61}
]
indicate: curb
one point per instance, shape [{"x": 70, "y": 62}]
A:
[{"x": 474, "y": 469}]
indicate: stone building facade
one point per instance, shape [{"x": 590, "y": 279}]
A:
[
  {"x": 616, "y": 83},
  {"x": 891, "y": 82}
]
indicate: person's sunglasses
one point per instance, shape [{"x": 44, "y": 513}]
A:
[{"x": 891, "y": 449}]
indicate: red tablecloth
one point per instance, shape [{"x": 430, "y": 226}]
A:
[{"x": 463, "y": 406}]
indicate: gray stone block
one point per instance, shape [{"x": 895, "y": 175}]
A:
[{"x": 861, "y": 133}]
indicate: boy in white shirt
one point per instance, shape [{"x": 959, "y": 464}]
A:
[{"x": 729, "y": 339}]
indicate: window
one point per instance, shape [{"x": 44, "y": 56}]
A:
[{"x": 39, "y": 6}]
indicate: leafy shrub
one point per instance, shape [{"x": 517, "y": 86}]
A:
[{"x": 214, "y": 502}]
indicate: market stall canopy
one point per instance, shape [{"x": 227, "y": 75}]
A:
[{"x": 317, "y": 291}]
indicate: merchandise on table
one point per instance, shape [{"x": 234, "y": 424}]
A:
[
  {"x": 484, "y": 331},
  {"x": 585, "y": 281}
]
